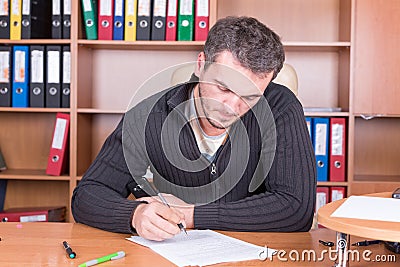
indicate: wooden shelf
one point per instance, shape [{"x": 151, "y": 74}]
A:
[
  {"x": 143, "y": 45},
  {"x": 327, "y": 114},
  {"x": 316, "y": 46},
  {"x": 31, "y": 175},
  {"x": 99, "y": 111},
  {"x": 332, "y": 184},
  {"x": 35, "y": 110},
  {"x": 377, "y": 178},
  {"x": 36, "y": 41}
]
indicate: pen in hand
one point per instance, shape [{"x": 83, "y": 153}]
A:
[{"x": 163, "y": 200}]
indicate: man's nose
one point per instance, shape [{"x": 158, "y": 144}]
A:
[{"x": 234, "y": 102}]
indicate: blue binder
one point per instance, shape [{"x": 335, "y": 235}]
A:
[
  {"x": 20, "y": 81},
  {"x": 119, "y": 14},
  {"x": 320, "y": 135}
]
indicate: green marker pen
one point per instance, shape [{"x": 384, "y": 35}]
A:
[{"x": 111, "y": 257}]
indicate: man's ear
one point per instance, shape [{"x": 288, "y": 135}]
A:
[{"x": 201, "y": 59}]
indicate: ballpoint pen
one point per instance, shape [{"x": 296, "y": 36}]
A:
[
  {"x": 69, "y": 251},
  {"x": 163, "y": 200},
  {"x": 366, "y": 243},
  {"x": 111, "y": 257},
  {"x": 326, "y": 243}
]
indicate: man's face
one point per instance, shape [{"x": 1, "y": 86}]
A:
[{"x": 227, "y": 90}]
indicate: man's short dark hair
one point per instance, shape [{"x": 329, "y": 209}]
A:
[{"x": 253, "y": 44}]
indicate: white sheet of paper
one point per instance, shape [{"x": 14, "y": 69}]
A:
[
  {"x": 203, "y": 247},
  {"x": 369, "y": 208}
]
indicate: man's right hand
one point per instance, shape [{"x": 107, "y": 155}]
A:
[{"x": 155, "y": 221}]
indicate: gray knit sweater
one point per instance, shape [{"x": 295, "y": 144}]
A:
[{"x": 284, "y": 176}]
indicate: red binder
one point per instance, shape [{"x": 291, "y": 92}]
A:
[
  {"x": 105, "y": 21},
  {"x": 57, "y": 160},
  {"x": 337, "y": 152},
  {"x": 322, "y": 197},
  {"x": 172, "y": 20},
  {"x": 201, "y": 20},
  {"x": 33, "y": 214},
  {"x": 337, "y": 192}
]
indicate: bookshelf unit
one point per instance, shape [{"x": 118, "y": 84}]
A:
[{"x": 334, "y": 45}]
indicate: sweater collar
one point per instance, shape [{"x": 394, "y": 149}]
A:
[{"x": 182, "y": 92}]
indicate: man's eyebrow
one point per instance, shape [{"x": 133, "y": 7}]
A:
[
  {"x": 221, "y": 83},
  {"x": 226, "y": 86}
]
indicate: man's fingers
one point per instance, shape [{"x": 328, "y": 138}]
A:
[{"x": 156, "y": 221}]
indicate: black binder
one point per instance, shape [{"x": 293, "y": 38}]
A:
[
  {"x": 36, "y": 23},
  {"x": 143, "y": 25},
  {"x": 56, "y": 20},
  {"x": 158, "y": 20},
  {"x": 37, "y": 76},
  {"x": 66, "y": 77},
  {"x": 53, "y": 73},
  {"x": 5, "y": 75},
  {"x": 66, "y": 18},
  {"x": 5, "y": 22}
]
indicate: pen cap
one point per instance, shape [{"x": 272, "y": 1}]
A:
[{"x": 121, "y": 254}]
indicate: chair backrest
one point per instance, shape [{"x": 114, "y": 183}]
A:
[{"x": 287, "y": 76}]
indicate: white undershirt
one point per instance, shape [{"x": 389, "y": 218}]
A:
[{"x": 208, "y": 145}]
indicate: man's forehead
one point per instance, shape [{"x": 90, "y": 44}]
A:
[{"x": 234, "y": 79}]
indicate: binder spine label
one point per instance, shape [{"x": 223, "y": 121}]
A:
[
  {"x": 172, "y": 8},
  {"x": 4, "y": 67},
  {"x": 15, "y": 7},
  {"x": 37, "y": 66},
  {"x": 66, "y": 67},
  {"x": 186, "y": 7},
  {"x": 202, "y": 8},
  {"x": 87, "y": 5},
  {"x": 321, "y": 200},
  {"x": 26, "y": 7},
  {"x": 19, "y": 66},
  {"x": 337, "y": 139},
  {"x": 105, "y": 8},
  {"x": 53, "y": 58},
  {"x": 3, "y": 7},
  {"x": 336, "y": 195},
  {"x": 118, "y": 7},
  {"x": 67, "y": 7},
  {"x": 33, "y": 218},
  {"x": 131, "y": 10},
  {"x": 59, "y": 131},
  {"x": 320, "y": 139},
  {"x": 56, "y": 7},
  {"x": 144, "y": 8},
  {"x": 160, "y": 8}
]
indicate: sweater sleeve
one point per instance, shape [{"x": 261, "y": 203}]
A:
[
  {"x": 287, "y": 204},
  {"x": 100, "y": 199}
]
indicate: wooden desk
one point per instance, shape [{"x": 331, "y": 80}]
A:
[
  {"x": 389, "y": 231},
  {"x": 40, "y": 244},
  {"x": 372, "y": 229}
]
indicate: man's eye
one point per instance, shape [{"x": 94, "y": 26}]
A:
[
  {"x": 251, "y": 98},
  {"x": 222, "y": 88}
]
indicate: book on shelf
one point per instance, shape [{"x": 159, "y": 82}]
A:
[{"x": 34, "y": 214}]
